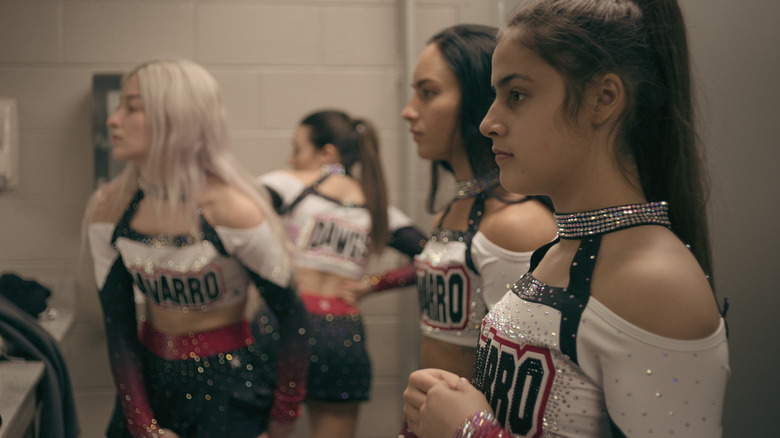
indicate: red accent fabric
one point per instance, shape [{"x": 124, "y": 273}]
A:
[
  {"x": 401, "y": 277},
  {"x": 319, "y": 305},
  {"x": 187, "y": 346}
]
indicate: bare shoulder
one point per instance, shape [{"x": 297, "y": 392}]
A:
[
  {"x": 306, "y": 176},
  {"x": 648, "y": 277},
  {"x": 227, "y": 206},
  {"x": 519, "y": 227},
  {"x": 107, "y": 203}
]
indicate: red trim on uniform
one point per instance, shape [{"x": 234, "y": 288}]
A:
[
  {"x": 190, "y": 345},
  {"x": 319, "y": 305}
]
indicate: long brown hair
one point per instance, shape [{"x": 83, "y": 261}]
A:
[
  {"x": 644, "y": 42},
  {"x": 357, "y": 143},
  {"x": 468, "y": 50}
]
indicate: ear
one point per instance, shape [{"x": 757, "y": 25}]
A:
[
  {"x": 609, "y": 97},
  {"x": 330, "y": 154}
]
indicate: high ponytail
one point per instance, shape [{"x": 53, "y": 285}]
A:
[
  {"x": 372, "y": 180},
  {"x": 357, "y": 143},
  {"x": 644, "y": 42},
  {"x": 673, "y": 170}
]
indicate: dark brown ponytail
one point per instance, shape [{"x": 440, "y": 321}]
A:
[{"x": 357, "y": 143}]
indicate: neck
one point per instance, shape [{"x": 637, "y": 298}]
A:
[
  {"x": 474, "y": 186},
  {"x": 459, "y": 161},
  {"x": 150, "y": 188},
  {"x": 596, "y": 185}
]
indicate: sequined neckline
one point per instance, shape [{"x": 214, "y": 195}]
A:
[
  {"x": 474, "y": 186},
  {"x": 596, "y": 222},
  {"x": 331, "y": 169}
]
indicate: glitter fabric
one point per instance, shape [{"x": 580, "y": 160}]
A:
[
  {"x": 552, "y": 361},
  {"x": 474, "y": 186},
  {"x": 340, "y": 369},
  {"x": 209, "y": 395},
  {"x": 332, "y": 237},
  {"x": 591, "y": 223},
  {"x": 199, "y": 273},
  {"x": 481, "y": 425}
]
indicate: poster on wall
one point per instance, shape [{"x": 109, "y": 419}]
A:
[{"x": 106, "y": 91}]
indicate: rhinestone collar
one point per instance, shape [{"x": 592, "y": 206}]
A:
[
  {"x": 591, "y": 223},
  {"x": 332, "y": 168},
  {"x": 474, "y": 186}
]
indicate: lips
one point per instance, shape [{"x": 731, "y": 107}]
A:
[{"x": 501, "y": 154}]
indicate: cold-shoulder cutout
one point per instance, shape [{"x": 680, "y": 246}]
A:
[
  {"x": 656, "y": 285},
  {"x": 519, "y": 227}
]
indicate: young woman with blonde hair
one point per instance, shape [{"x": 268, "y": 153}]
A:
[{"x": 187, "y": 228}]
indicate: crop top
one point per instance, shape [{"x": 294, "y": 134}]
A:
[
  {"x": 554, "y": 361},
  {"x": 193, "y": 274},
  {"x": 460, "y": 275},
  {"x": 331, "y": 236}
]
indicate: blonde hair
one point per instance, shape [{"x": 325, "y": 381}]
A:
[{"x": 188, "y": 140}]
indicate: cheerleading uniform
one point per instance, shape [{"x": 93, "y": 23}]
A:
[
  {"x": 333, "y": 237},
  {"x": 554, "y": 361},
  {"x": 198, "y": 384},
  {"x": 460, "y": 275}
]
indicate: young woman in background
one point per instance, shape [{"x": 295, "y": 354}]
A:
[
  {"x": 337, "y": 218},
  {"x": 186, "y": 227},
  {"x": 483, "y": 239},
  {"x": 614, "y": 331}
]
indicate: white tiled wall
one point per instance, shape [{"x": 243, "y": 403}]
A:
[{"x": 276, "y": 61}]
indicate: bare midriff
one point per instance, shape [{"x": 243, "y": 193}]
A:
[
  {"x": 177, "y": 322},
  {"x": 323, "y": 284},
  {"x": 449, "y": 357}
]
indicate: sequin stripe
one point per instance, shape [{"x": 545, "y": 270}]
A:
[
  {"x": 187, "y": 346},
  {"x": 285, "y": 412},
  {"x": 481, "y": 425},
  {"x": 319, "y": 305},
  {"x": 401, "y": 277}
]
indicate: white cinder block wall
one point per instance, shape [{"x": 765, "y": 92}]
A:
[{"x": 278, "y": 59}]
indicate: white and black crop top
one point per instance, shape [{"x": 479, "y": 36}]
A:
[
  {"x": 193, "y": 274},
  {"x": 186, "y": 274},
  {"x": 329, "y": 235},
  {"x": 554, "y": 361},
  {"x": 460, "y": 275}
]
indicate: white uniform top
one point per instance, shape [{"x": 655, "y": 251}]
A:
[
  {"x": 555, "y": 362},
  {"x": 328, "y": 235},
  {"x": 455, "y": 294}
]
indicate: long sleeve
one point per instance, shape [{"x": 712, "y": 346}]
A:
[
  {"x": 407, "y": 240},
  {"x": 268, "y": 266},
  {"x": 115, "y": 289}
]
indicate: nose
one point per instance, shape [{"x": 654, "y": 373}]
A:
[
  {"x": 490, "y": 127},
  {"x": 113, "y": 120},
  {"x": 409, "y": 113}
]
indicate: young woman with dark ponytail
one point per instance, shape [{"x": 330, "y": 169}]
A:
[
  {"x": 337, "y": 218},
  {"x": 614, "y": 331}
]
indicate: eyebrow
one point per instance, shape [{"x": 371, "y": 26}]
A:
[
  {"x": 132, "y": 96},
  {"x": 508, "y": 78},
  {"x": 421, "y": 82}
]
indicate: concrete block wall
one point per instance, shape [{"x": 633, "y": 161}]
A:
[{"x": 275, "y": 60}]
